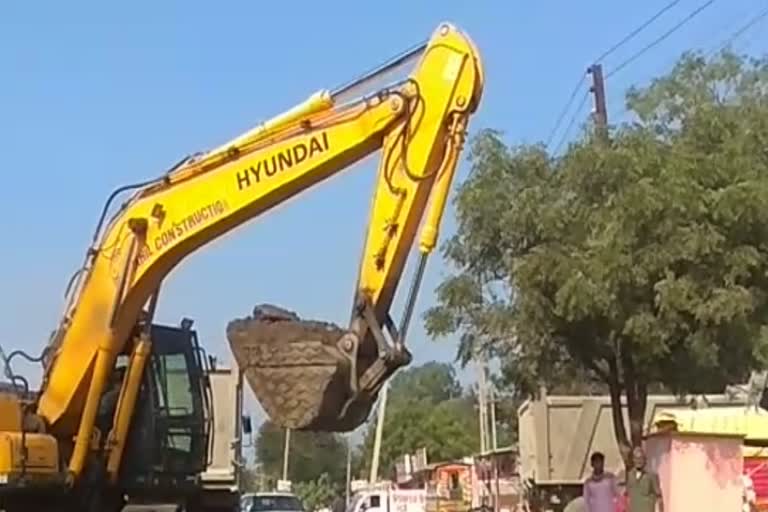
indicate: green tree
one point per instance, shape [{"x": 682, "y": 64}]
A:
[
  {"x": 426, "y": 408},
  {"x": 312, "y": 454},
  {"x": 316, "y": 494},
  {"x": 250, "y": 479},
  {"x": 254, "y": 480},
  {"x": 434, "y": 382},
  {"x": 641, "y": 262}
]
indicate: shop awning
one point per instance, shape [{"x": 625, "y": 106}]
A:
[{"x": 750, "y": 422}]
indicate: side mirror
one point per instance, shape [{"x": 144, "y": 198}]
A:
[
  {"x": 246, "y": 431},
  {"x": 247, "y": 427}
]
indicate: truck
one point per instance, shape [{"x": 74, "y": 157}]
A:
[
  {"x": 383, "y": 499},
  {"x": 222, "y": 478},
  {"x": 557, "y": 434}
]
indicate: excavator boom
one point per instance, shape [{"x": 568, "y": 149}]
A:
[{"x": 418, "y": 123}]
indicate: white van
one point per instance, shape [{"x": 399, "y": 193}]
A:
[{"x": 394, "y": 500}]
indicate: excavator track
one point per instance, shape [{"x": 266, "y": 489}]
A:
[{"x": 297, "y": 368}]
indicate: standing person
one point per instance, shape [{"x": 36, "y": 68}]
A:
[
  {"x": 600, "y": 489},
  {"x": 643, "y": 489}
]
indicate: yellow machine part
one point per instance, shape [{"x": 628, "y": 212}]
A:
[
  {"x": 42, "y": 457},
  {"x": 10, "y": 412},
  {"x": 315, "y": 376}
]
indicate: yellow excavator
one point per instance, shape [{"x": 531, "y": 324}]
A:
[{"x": 122, "y": 416}]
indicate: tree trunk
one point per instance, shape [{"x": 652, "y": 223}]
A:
[
  {"x": 636, "y": 390},
  {"x": 619, "y": 429}
]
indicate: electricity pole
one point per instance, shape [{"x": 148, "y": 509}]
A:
[
  {"x": 349, "y": 471},
  {"x": 286, "y": 451},
  {"x": 598, "y": 94},
  {"x": 374, "y": 477},
  {"x": 482, "y": 395},
  {"x": 494, "y": 439}
]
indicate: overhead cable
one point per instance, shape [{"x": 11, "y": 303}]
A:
[
  {"x": 636, "y": 31},
  {"x": 606, "y": 53},
  {"x": 565, "y": 110},
  {"x": 572, "y": 122},
  {"x": 740, "y": 31},
  {"x": 659, "y": 39}
]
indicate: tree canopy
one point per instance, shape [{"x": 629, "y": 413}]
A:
[
  {"x": 633, "y": 262},
  {"x": 311, "y": 455},
  {"x": 316, "y": 494},
  {"x": 426, "y": 408}
]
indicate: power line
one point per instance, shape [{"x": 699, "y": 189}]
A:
[
  {"x": 659, "y": 39},
  {"x": 565, "y": 110},
  {"x": 738, "y": 33},
  {"x": 572, "y": 122},
  {"x": 637, "y": 30},
  {"x": 606, "y": 53}
]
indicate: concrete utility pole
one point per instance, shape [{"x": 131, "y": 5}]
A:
[
  {"x": 482, "y": 405},
  {"x": 494, "y": 439},
  {"x": 598, "y": 93},
  {"x": 349, "y": 470},
  {"x": 286, "y": 451},
  {"x": 374, "y": 477}
]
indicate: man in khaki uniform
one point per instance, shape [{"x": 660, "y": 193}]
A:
[{"x": 643, "y": 489}]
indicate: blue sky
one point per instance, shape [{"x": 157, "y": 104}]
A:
[{"x": 95, "y": 95}]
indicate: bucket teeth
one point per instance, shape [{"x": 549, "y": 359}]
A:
[{"x": 296, "y": 370}]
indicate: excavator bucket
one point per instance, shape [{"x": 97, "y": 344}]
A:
[{"x": 302, "y": 372}]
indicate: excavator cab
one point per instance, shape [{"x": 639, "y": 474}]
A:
[{"x": 168, "y": 443}]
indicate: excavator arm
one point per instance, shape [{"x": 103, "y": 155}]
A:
[{"x": 418, "y": 124}]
